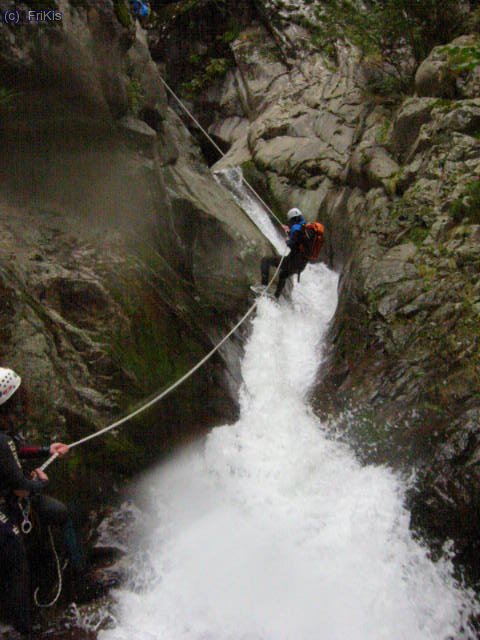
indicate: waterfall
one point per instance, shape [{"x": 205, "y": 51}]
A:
[
  {"x": 232, "y": 180},
  {"x": 269, "y": 530}
]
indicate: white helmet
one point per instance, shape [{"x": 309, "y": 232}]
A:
[
  {"x": 9, "y": 383},
  {"x": 294, "y": 213}
]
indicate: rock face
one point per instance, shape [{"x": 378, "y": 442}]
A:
[
  {"x": 398, "y": 191},
  {"x": 122, "y": 259},
  {"x": 435, "y": 76}
]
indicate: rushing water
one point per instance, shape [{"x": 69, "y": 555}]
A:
[
  {"x": 232, "y": 179},
  {"x": 269, "y": 530}
]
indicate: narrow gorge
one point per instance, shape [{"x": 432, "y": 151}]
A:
[{"x": 128, "y": 249}]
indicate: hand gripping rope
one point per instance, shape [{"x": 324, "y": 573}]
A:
[
  {"x": 176, "y": 384},
  {"x": 131, "y": 415},
  {"x": 149, "y": 403}
]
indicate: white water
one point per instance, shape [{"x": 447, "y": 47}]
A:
[
  {"x": 232, "y": 179},
  {"x": 268, "y": 530}
]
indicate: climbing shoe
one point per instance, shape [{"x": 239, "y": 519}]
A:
[
  {"x": 258, "y": 288},
  {"x": 262, "y": 290}
]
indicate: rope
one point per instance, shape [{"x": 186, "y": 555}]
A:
[
  {"x": 176, "y": 384},
  {"x": 199, "y": 364},
  {"x": 212, "y": 141},
  {"x": 47, "y": 605}
]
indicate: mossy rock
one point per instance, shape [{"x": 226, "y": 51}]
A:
[{"x": 122, "y": 13}]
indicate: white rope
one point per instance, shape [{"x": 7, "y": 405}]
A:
[
  {"x": 207, "y": 135},
  {"x": 199, "y": 364},
  {"x": 47, "y": 605},
  {"x": 176, "y": 384}
]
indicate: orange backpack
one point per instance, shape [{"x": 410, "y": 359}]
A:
[{"x": 312, "y": 241}]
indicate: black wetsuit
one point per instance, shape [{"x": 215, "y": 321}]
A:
[
  {"x": 295, "y": 262},
  {"x": 15, "y": 584},
  {"x": 14, "y": 566}
]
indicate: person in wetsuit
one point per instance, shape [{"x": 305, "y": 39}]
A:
[
  {"x": 295, "y": 261},
  {"x": 17, "y": 493}
]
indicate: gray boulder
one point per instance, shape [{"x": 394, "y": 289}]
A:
[
  {"x": 413, "y": 113},
  {"x": 435, "y": 76}
]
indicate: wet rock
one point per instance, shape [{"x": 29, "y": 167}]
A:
[
  {"x": 122, "y": 260},
  {"x": 413, "y": 113},
  {"x": 464, "y": 117},
  {"x": 152, "y": 98},
  {"x": 440, "y": 228},
  {"x": 469, "y": 251},
  {"x": 138, "y": 134},
  {"x": 394, "y": 266},
  {"x": 333, "y": 130},
  {"x": 238, "y": 155},
  {"x": 371, "y": 167},
  {"x": 277, "y": 153},
  {"x": 230, "y": 130},
  {"x": 398, "y": 298},
  {"x": 434, "y": 77},
  {"x": 380, "y": 168},
  {"x": 387, "y": 183}
]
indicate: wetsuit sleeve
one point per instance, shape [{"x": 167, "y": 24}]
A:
[
  {"x": 30, "y": 451},
  {"x": 11, "y": 474}
]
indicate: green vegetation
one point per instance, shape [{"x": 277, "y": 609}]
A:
[
  {"x": 230, "y": 35},
  {"x": 149, "y": 353},
  {"x": 6, "y": 97},
  {"x": 384, "y": 131},
  {"x": 122, "y": 13},
  {"x": 387, "y": 86},
  {"x": 429, "y": 275},
  {"x": 217, "y": 68},
  {"x": 389, "y": 32},
  {"x": 463, "y": 58},
  {"x": 135, "y": 96},
  {"x": 410, "y": 221},
  {"x": 214, "y": 68},
  {"x": 468, "y": 207},
  {"x": 445, "y": 105},
  {"x": 207, "y": 55},
  {"x": 374, "y": 296},
  {"x": 418, "y": 234}
]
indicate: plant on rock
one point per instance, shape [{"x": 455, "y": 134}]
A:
[
  {"x": 214, "y": 68},
  {"x": 468, "y": 207},
  {"x": 463, "y": 58},
  {"x": 396, "y": 34}
]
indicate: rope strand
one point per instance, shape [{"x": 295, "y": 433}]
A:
[
  {"x": 176, "y": 384},
  {"x": 199, "y": 364},
  {"x": 212, "y": 141},
  {"x": 58, "y": 568}
]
